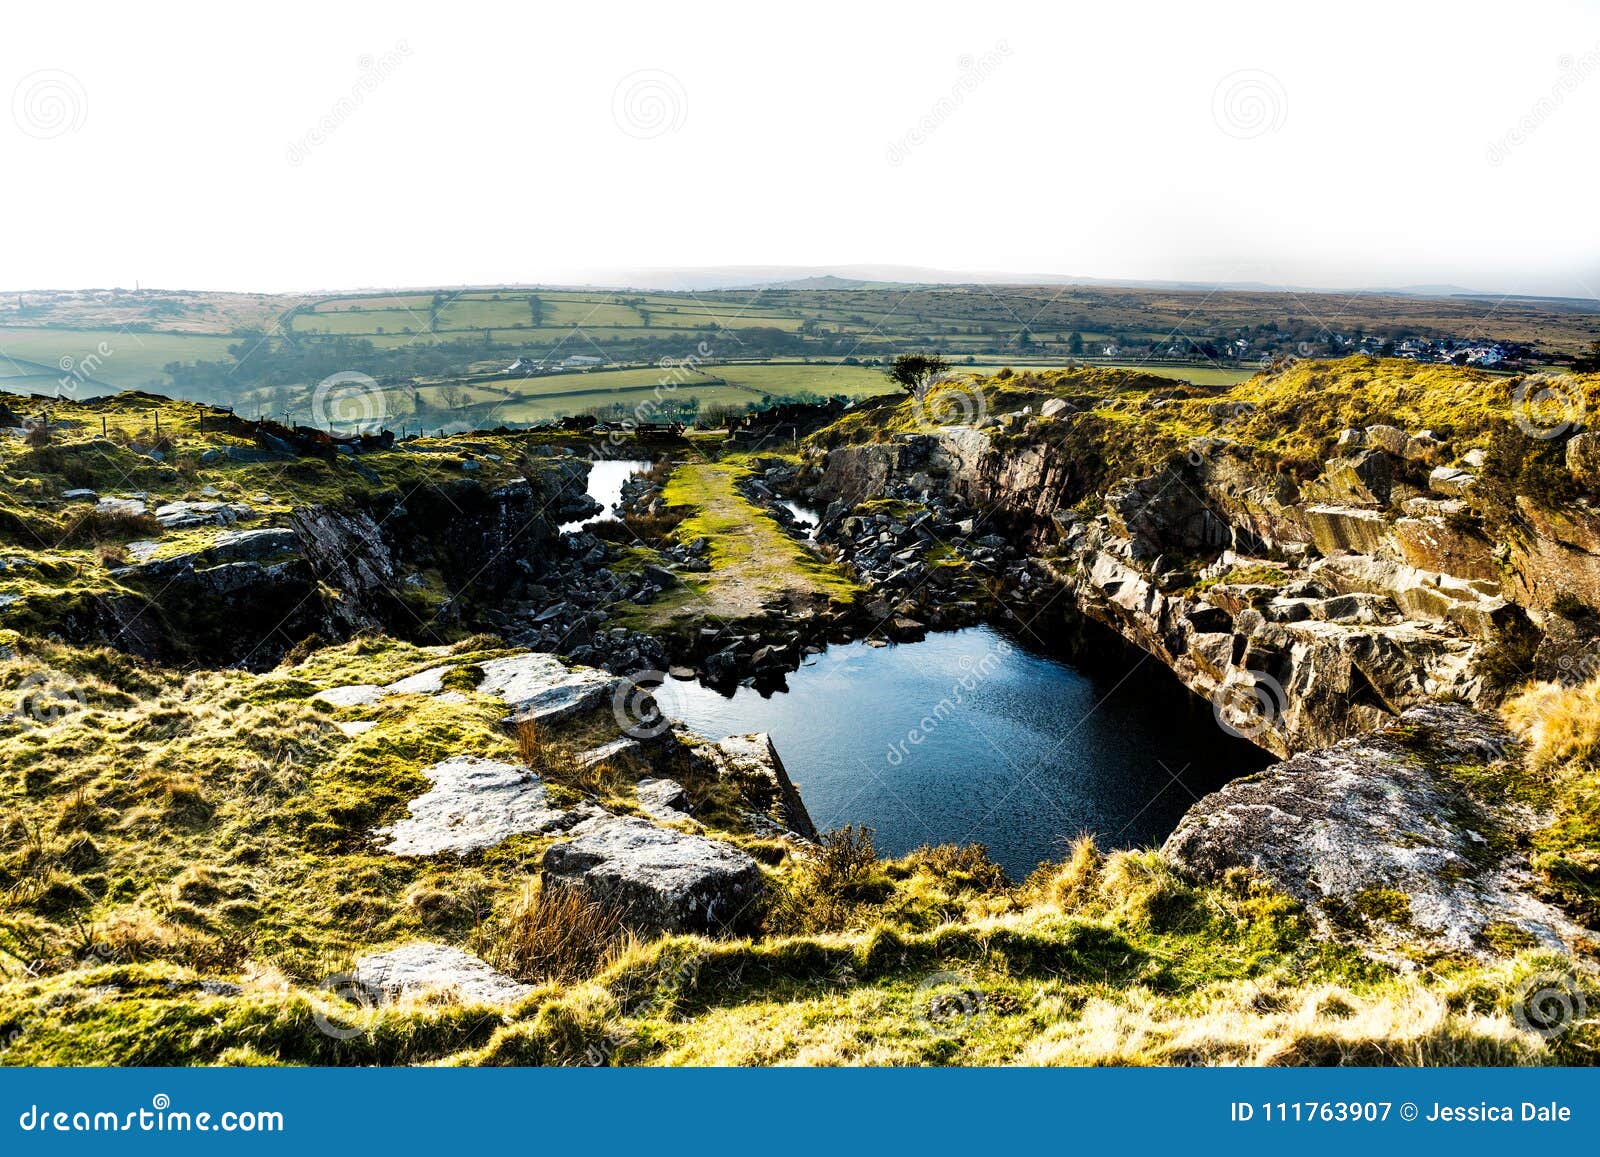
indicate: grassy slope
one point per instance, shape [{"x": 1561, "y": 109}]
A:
[
  {"x": 170, "y": 829},
  {"x": 121, "y": 359},
  {"x": 753, "y": 562},
  {"x": 1291, "y": 416}
]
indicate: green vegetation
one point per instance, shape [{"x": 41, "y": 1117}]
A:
[
  {"x": 754, "y": 564},
  {"x": 64, "y": 557},
  {"x": 1562, "y": 727},
  {"x": 169, "y": 836},
  {"x": 187, "y": 857},
  {"x": 84, "y": 362},
  {"x": 263, "y": 353}
]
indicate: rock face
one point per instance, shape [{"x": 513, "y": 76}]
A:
[
  {"x": 752, "y": 764},
  {"x": 659, "y": 880},
  {"x": 475, "y": 803},
  {"x": 326, "y": 571},
  {"x": 418, "y": 968},
  {"x": 1378, "y": 834},
  {"x": 663, "y": 800},
  {"x": 1306, "y": 611}
]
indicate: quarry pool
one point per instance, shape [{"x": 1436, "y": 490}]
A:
[
  {"x": 968, "y": 736},
  {"x": 606, "y": 476}
]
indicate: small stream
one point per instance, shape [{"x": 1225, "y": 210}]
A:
[
  {"x": 606, "y": 476},
  {"x": 804, "y": 515},
  {"x": 969, "y": 737}
]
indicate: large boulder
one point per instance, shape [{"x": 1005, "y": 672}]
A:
[
  {"x": 1583, "y": 458},
  {"x": 1350, "y": 530},
  {"x": 1378, "y": 836},
  {"x": 659, "y": 880},
  {"x": 182, "y": 515}
]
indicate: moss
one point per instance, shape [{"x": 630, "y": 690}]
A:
[
  {"x": 753, "y": 562},
  {"x": 1386, "y": 904}
]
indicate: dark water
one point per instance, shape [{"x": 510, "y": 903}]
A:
[
  {"x": 967, "y": 737},
  {"x": 606, "y": 477}
]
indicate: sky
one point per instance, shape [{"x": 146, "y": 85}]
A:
[{"x": 352, "y": 145}]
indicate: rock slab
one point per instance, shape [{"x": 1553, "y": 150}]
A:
[
  {"x": 659, "y": 880},
  {"x": 474, "y": 803},
  {"x": 540, "y": 687},
  {"x": 425, "y": 967},
  {"x": 1374, "y": 816}
]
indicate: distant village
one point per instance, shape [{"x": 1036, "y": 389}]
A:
[{"x": 1446, "y": 351}]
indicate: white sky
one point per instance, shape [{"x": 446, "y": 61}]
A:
[{"x": 493, "y": 152}]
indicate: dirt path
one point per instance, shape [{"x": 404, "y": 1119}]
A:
[{"x": 753, "y": 562}]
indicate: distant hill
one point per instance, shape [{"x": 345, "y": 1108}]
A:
[{"x": 866, "y": 276}]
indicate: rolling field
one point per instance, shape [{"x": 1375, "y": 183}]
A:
[
  {"x": 37, "y": 359},
  {"x": 557, "y": 314},
  {"x": 794, "y": 378}
]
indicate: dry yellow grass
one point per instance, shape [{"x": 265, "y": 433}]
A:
[{"x": 1559, "y": 723}]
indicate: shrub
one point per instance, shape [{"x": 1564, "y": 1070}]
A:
[
  {"x": 96, "y": 526},
  {"x": 823, "y": 894},
  {"x": 556, "y": 934},
  {"x": 963, "y": 865}
]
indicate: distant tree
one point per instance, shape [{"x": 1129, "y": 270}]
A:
[
  {"x": 536, "y": 308},
  {"x": 1075, "y": 344},
  {"x": 913, "y": 372},
  {"x": 1590, "y": 362}
]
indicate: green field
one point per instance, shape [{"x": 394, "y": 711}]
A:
[
  {"x": 32, "y": 359},
  {"x": 559, "y": 313}
]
